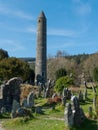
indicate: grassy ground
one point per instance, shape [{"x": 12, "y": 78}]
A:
[{"x": 51, "y": 119}]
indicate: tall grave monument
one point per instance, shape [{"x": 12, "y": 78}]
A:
[{"x": 41, "y": 49}]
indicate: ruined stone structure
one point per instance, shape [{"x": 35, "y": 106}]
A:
[
  {"x": 10, "y": 91},
  {"x": 41, "y": 56}
]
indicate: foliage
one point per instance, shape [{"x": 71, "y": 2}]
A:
[
  {"x": 60, "y": 73},
  {"x": 62, "y": 83},
  {"x": 95, "y": 74},
  {"x": 3, "y": 54},
  {"x": 13, "y": 67}
]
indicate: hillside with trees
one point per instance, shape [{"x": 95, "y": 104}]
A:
[{"x": 82, "y": 66}]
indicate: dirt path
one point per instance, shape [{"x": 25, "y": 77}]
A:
[
  {"x": 54, "y": 118},
  {"x": 1, "y": 126}
]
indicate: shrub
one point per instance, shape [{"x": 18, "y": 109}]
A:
[
  {"x": 62, "y": 83},
  {"x": 60, "y": 73}
]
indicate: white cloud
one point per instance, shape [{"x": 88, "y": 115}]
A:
[
  {"x": 60, "y": 32},
  {"x": 54, "y": 32},
  {"x": 11, "y": 45},
  {"x": 31, "y": 30},
  {"x": 82, "y": 8},
  {"x": 17, "y": 13}
]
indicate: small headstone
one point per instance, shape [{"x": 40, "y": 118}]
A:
[
  {"x": 24, "y": 103},
  {"x": 75, "y": 102},
  {"x": 63, "y": 101},
  {"x": 80, "y": 96},
  {"x": 85, "y": 93},
  {"x": 90, "y": 111},
  {"x": 94, "y": 103},
  {"x": 94, "y": 89},
  {"x": 65, "y": 92},
  {"x": 15, "y": 107},
  {"x": 54, "y": 95},
  {"x": 38, "y": 110},
  {"x": 30, "y": 100},
  {"x": 3, "y": 110}
]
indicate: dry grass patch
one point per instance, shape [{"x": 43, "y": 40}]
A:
[{"x": 26, "y": 89}]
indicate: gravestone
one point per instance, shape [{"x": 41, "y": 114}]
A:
[
  {"x": 10, "y": 92},
  {"x": 78, "y": 114},
  {"x": 94, "y": 89},
  {"x": 68, "y": 115},
  {"x": 15, "y": 107},
  {"x": 3, "y": 110},
  {"x": 90, "y": 111},
  {"x": 85, "y": 94},
  {"x": 30, "y": 100},
  {"x": 66, "y": 93},
  {"x": 63, "y": 101},
  {"x": 24, "y": 103},
  {"x": 38, "y": 110},
  {"x": 80, "y": 96},
  {"x": 54, "y": 95},
  {"x": 74, "y": 115},
  {"x": 94, "y": 102}
]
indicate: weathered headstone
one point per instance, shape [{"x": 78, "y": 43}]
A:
[
  {"x": 63, "y": 101},
  {"x": 74, "y": 115},
  {"x": 24, "y": 103},
  {"x": 54, "y": 95},
  {"x": 10, "y": 92},
  {"x": 94, "y": 103},
  {"x": 30, "y": 100},
  {"x": 38, "y": 110},
  {"x": 66, "y": 93},
  {"x": 68, "y": 115},
  {"x": 94, "y": 89},
  {"x": 80, "y": 96},
  {"x": 15, "y": 107},
  {"x": 85, "y": 94},
  {"x": 3, "y": 110},
  {"x": 90, "y": 111}
]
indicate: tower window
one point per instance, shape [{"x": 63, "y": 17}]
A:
[{"x": 43, "y": 74}]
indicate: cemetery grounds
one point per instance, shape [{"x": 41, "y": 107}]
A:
[{"x": 51, "y": 119}]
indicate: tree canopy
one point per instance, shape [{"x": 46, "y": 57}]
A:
[
  {"x": 3, "y": 54},
  {"x": 60, "y": 73},
  {"x": 13, "y": 67}
]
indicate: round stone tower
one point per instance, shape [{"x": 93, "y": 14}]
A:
[{"x": 41, "y": 50}]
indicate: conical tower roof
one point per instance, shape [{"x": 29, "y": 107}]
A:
[{"x": 42, "y": 15}]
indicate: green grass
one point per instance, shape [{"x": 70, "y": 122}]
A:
[
  {"x": 48, "y": 121},
  {"x": 34, "y": 124}
]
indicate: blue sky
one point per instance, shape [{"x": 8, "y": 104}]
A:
[{"x": 72, "y": 26}]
